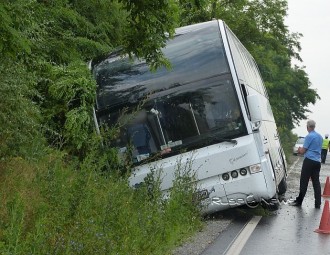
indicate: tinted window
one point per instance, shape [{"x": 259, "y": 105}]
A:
[
  {"x": 191, "y": 106},
  {"x": 246, "y": 67},
  {"x": 194, "y": 55}
]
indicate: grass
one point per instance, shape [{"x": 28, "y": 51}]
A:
[{"x": 52, "y": 207}]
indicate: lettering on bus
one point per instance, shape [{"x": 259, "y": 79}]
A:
[{"x": 233, "y": 160}]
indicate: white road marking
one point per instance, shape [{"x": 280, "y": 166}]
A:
[{"x": 240, "y": 240}]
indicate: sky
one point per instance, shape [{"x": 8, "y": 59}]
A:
[{"x": 312, "y": 19}]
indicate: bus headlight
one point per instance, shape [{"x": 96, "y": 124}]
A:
[
  {"x": 234, "y": 174},
  {"x": 255, "y": 168},
  {"x": 225, "y": 176}
]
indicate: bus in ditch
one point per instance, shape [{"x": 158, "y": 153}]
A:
[{"x": 211, "y": 107}]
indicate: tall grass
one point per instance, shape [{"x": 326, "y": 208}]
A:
[{"x": 56, "y": 207}]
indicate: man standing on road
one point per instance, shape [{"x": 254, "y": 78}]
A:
[
  {"x": 311, "y": 165},
  {"x": 325, "y": 148}
]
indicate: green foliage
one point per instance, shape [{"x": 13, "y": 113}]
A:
[
  {"x": 183, "y": 195},
  {"x": 19, "y": 116},
  {"x": 54, "y": 208},
  {"x": 54, "y": 40},
  {"x": 150, "y": 24},
  {"x": 11, "y": 40},
  {"x": 72, "y": 91},
  {"x": 14, "y": 231},
  {"x": 195, "y": 11}
]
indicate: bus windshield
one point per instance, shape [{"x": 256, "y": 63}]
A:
[
  {"x": 173, "y": 123},
  {"x": 167, "y": 112}
]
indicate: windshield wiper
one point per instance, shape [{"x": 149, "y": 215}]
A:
[
  {"x": 195, "y": 144},
  {"x": 217, "y": 139}
]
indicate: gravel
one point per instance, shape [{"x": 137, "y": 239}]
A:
[{"x": 196, "y": 244}]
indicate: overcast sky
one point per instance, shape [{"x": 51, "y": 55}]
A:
[{"x": 312, "y": 19}]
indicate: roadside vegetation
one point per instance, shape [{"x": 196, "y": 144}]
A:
[
  {"x": 61, "y": 191},
  {"x": 57, "y": 208}
]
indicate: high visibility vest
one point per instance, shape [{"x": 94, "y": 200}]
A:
[{"x": 325, "y": 144}]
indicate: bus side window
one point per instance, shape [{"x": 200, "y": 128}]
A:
[{"x": 245, "y": 100}]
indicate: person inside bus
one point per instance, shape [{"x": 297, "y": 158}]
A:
[
  {"x": 311, "y": 165},
  {"x": 217, "y": 113},
  {"x": 140, "y": 136},
  {"x": 325, "y": 148}
]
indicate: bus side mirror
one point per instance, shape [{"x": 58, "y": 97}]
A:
[{"x": 254, "y": 104}]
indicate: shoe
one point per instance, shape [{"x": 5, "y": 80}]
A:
[
  {"x": 295, "y": 203},
  {"x": 317, "y": 206}
]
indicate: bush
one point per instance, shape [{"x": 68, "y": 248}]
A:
[
  {"x": 58, "y": 207},
  {"x": 20, "y": 129}
]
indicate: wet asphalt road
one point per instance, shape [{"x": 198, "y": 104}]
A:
[{"x": 290, "y": 230}]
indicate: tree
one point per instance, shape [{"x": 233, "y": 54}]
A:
[{"x": 53, "y": 40}]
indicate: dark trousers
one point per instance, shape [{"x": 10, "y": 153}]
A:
[
  {"x": 324, "y": 153},
  {"x": 310, "y": 169}
]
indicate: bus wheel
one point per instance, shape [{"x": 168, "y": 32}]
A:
[{"x": 282, "y": 187}]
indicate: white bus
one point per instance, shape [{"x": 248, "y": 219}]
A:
[{"x": 211, "y": 106}]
